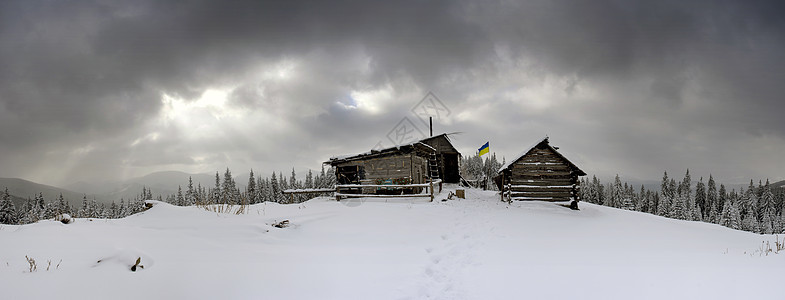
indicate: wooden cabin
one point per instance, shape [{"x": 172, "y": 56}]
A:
[
  {"x": 428, "y": 159},
  {"x": 540, "y": 173}
]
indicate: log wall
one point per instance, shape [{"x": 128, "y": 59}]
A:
[
  {"x": 541, "y": 175},
  {"x": 391, "y": 167}
]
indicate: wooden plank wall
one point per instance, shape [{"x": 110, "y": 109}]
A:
[
  {"x": 542, "y": 175},
  {"x": 393, "y": 166}
]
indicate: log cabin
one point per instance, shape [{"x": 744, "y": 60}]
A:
[
  {"x": 540, "y": 173},
  {"x": 428, "y": 159}
]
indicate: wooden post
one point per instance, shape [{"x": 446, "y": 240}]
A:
[
  {"x": 431, "y": 190},
  {"x": 503, "y": 187}
]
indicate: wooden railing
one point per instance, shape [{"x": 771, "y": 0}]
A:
[
  {"x": 338, "y": 187},
  {"x": 429, "y": 186}
]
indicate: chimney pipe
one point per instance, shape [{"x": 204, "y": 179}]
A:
[{"x": 430, "y": 121}]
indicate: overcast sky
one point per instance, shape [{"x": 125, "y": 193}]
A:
[{"x": 96, "y": 90}]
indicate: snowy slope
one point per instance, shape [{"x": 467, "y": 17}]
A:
[{"x": 477, "y": 248}]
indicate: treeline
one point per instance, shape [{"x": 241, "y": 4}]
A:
[
  {"x": 224, "y": 191},
  {"x": 38, "y": 209},
  {"x": 258, "y": 189},
  {"x": 757, "y": 209},
  {"x": 480, "y": 171}
]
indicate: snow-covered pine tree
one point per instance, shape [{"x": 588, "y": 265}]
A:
[
  {"x": 617, "y": 193},
  {"x": 749, "y": 221},
  {"x": 700, "y": 197},
  {"x": 95, "y": 210},
  {"x": 201, "y": 194},
  {"x": 711, "y": 196},
  {"x": 215, "y": 193},
  {"x": 767, "y": 222},
  {"x": 251, "y": 195},
  {"x": 722, "y": 196},
  {"x": 85, "y": 207},
  {"x": 261, "y": 192},
  {"x": 596, "y": 190},
  {"x": 713, "y": 215},
  {"x": 227, "y": 189},
  {"x": 113, "y": 211},
  {"x": 641, "y": 203},
  {"x": 678, "y": 207},
  {"x": 122, "y": 209},
  {"x": 180, "y": 199},
  {"x": 666, "y": 196},
  {"x": 686, "y": 185},
  {"x": 730, "y": 216},
  {"x": 767, "y": 201},
  {"x": 190, "y": 193},
  {"x": 309, "y": 180},
  {"x": 50, "y": 210},
  {"x": 781, "y": 228},
  {"x": 7, "y": 209},
  {"x": 750, "y": 203},
  {"x": 275, "y": 189},
  {"x": 62, "y": 206},
  {"x": 293, "y": 184},
  {"x": 29, "y": 212}
]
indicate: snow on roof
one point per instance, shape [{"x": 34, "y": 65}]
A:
[
  {"x": 545, "y": 140},
  {"x": 350, "y": 156},
  {"x": 517, "y": 157}
]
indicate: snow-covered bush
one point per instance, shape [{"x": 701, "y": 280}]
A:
[{"x": 64, "y": 218}]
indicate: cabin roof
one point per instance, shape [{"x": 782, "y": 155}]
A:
[
  {"x": 545, "y": 142},
  {"x": 405, "y": 148},
  {"x": 445, "y": 136}
]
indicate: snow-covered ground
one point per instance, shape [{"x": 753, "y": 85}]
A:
[{"x": 474, "y": 248}]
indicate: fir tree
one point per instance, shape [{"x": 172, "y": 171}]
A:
[
  {"x": 215, "y": 194},
  {"x": 250, "y": 190},
  {"x": 730, "y": 215},
  {"x": 617, "y": 193},
  {"x": 686, "y": 185},
  {"x": 309, "y": 180},
  {"x": 62, "y": 206},
  {"x": 275, "y": 190},
  {"x": 767, "y": 222},
  {"x": 113, "y": 211},
  {"x": 700, "y": 197},
  {"x": 190, "y": 193},
  {"x": 227, "y": 190},
  {"x": 85, "y": 207},
  {"x": 678, "y": 207},
  {"x": 722, "y": 196},
  {"x": 767, "y": 201},
  {"x": 749, "y": 220},
  {"x": 95, "y": 211},
  {"x": 180, "y": 200},
  {"x": 122, "y": 209},
  {"x": 711, "y": 195},
  {"x": 7, "y": 209}
]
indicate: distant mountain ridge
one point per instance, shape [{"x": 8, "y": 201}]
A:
[
  {"x": 21, "y": 190},
  {"x": 780, "y": 183},
  {"x": 160, "y": 183}
]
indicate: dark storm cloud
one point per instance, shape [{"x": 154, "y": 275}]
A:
[{"x": 657, "y": 79}]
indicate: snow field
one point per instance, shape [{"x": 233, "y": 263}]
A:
[{"x": 474, "y": 248}]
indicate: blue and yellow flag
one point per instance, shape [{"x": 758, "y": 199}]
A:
[{"x": 484, "y": 149}]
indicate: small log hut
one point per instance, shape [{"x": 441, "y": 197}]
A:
[
  {"x": 541, "y": 173},
  {"x": 428, "y": 159},
  {"x": 447, "y": 157}
]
